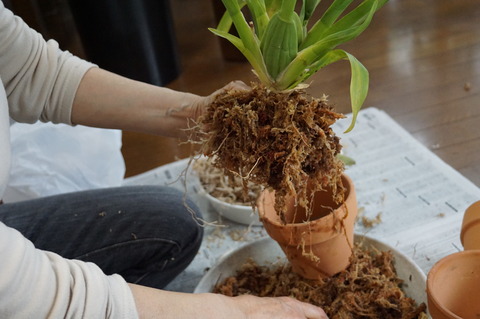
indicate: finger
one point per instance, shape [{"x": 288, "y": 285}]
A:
[
  {"x": 314, "y": 312},
  {"x": 233, "y": 85},
  {"x": 310, "y": 311},
  {"x": 237, "y": 85}
]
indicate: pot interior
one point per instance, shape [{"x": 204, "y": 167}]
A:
[
  {"x": 321, "y": 205},
  {"x": 454, "y": 285}
]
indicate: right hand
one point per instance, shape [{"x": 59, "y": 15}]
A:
[
  {"x": 281, "y": 307},
  {"x": 156, "y": 303}
]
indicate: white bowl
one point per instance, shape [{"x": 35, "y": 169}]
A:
[
  {"x": 237, "y": 213},
  {"x": 267, "y": 252}
]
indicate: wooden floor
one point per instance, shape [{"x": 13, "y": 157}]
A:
[{"x": 424, "y": 63}]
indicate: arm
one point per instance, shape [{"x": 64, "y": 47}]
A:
[
  {"x": 45, "y": 83},
  {"x": 154, "y": 303},
  {"x": 40, "y": 80},
  {"x": 40, "y": 284},
  {"x": 108, "y": 100}
]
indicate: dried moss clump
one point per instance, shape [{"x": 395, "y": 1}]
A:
[
  {"x": 275, "y": 139},
  {"x": 227, "y": 188},
  {"x": 368, "y": 288}
]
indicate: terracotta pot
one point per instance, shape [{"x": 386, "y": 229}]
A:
[
  {"x": 453, "y": 283},
  {"x": 470, "y": 234},
  {"x": 320, "y": 247},
  {"x": 453, "y": 286}
]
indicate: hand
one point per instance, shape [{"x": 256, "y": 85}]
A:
[
  {"x": 187, "y": 108},
  {"x": 155, "y": 303},
  {"x": 278, "y": 308},
  {"x": 199, "y": 106}
]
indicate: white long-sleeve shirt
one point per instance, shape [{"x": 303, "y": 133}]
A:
[{"x": 39, "y": 82}]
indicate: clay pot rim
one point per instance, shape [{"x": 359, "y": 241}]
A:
[
  {"x": 335, "y": 212},
  {"x": 465, "y": 228},
  {"x": 471, "y": 218},
  {"x": 433, "y": 273}
]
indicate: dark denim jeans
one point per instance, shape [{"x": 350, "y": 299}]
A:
[{"x": 144, "y": 233}]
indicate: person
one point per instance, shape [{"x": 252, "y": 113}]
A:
[{"x": 102, "y": 253}]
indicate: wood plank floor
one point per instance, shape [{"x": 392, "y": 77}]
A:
[{"x": 424, "y": 63}]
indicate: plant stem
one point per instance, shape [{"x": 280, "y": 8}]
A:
[{"x": 287, "y": 9}]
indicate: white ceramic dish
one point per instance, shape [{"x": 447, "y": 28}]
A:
[
  {"x": 237, "y": 213},
  {"x": 266, "y": 252},
  {"x": 242, "y": 214}
]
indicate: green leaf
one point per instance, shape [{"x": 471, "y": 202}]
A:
[
  {"x": 226, "y": 22},
  {"x": 307, "y": 60},
  {"x": 364, "y": 12},
  {"x": 272, "y": 6},
  {"x": 308, "y": 7},
  {"x": 257, "y": 64},
  {"x": 360, "y": 16},
  {"x": 334, "y": 11},
  {"x": 259, "y": 15},
  {"x": 243, "y": 28},
  {"x": 359, "y": 79},
  {"x": 325, "y": 22},
  {"x": 250, "y": 43},
  {"x": 358, "y": 87},
  {"x": 346, "y": 160},
  {"x": 287, "y": 9}
]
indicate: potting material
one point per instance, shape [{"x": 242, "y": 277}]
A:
[
  {"x": 368, "y": 288},
  {"x": 275, "y": 139},
  {"x": 383, "y": 174}
]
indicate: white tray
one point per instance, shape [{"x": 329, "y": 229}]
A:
[{"x": 267, "y": 252}]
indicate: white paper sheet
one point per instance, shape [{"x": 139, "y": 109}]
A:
[{"x": 420, "y": 199}]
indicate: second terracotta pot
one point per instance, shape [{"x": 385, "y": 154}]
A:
[
  {"x": 470, "y": 233},
  {"x": 453, "y": 287},
  {"x": 453, "y": 283},
  {"x": 322, "y": 246}
]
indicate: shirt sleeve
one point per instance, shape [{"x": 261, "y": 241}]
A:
[
  {"x": 40, "y": 79},
  {"x": 39, "y": 284}
]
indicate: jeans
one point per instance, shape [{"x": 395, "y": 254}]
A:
[{"x": 144, "y": 233}]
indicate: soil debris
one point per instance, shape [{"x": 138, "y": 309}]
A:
[
  {"x": 368, "y": 288},
  {"x": 371, "y": 222},
  {"x": 275, "y": 139}
]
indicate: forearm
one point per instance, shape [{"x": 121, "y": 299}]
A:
[
  {"x": 107, "y": 100},
  {"x": 155, "y": 303}
]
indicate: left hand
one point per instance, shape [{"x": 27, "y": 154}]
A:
[{"x": 199, "y": 106}]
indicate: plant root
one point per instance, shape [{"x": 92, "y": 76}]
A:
[{"x": 279, "y": 140}]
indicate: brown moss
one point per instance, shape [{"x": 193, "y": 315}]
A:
[
  {"x": 276, "y": 140},
  {"x": 368, "y": 288}
]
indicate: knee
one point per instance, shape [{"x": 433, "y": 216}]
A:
[{"x": 177, "y": 210}]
